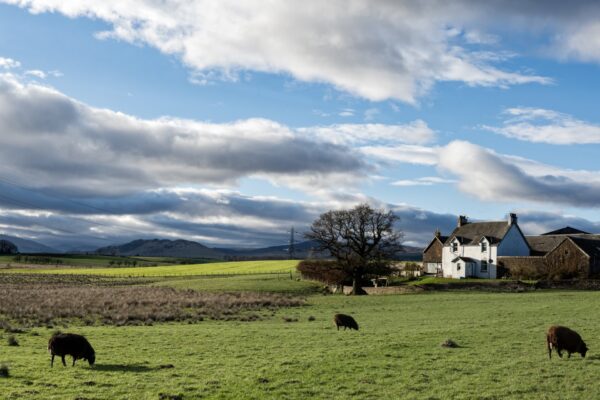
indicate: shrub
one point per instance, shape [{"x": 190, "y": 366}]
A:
[
  {"x": 12, "y": 341},
  {"x": 324, "y": 271},
  {"x": 4, "y": 371}
]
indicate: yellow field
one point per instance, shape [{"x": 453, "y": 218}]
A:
[{"x": 235, "y": 267}]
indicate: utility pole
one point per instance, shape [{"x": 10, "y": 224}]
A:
[{"x": 292, "y": 246}]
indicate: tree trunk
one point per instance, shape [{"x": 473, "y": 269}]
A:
[{"x": 356, "y": 288}]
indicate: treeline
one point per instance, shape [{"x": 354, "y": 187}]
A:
[
  {"x": 22, "y": 258},
  {"x": 123, "y": 263}
]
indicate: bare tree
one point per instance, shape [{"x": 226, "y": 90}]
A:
[{"x": 362, "y": 240}]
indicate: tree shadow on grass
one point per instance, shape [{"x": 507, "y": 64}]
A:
[{"x": 124, "y": 368}]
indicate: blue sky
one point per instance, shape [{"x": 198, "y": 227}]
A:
[{"x": 229, "y": 122}]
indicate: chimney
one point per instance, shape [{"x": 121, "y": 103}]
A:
[
  {"x": 462, "y": 220},
  {"x": 512, "y": 219},
  {"x": 438, "y": 233}
]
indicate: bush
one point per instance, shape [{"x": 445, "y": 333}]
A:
[
  {"x": 4, "y": 371},
  {"x": 12, "y": 341},
  {"x": 324, "y": 271}
]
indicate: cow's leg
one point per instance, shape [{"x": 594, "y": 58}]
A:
[
  {"x": 63, "y": 360},
  {"x": 74, "y": 359},
  {"x": 52, "y": 361},
  {"x": 559, "y": 353},
  {"x": 569, "y": 355}
]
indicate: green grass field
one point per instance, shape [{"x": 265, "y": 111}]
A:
[
  {"x": 216, "y": 268},
  {"x": 85, "y": 261},
  {"x": 273, "y": 283},
  {"x": 395, "y": 355}
]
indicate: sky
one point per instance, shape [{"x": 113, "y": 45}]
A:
[{"x": 229, "y": 122}]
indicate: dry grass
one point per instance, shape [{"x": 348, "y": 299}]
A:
[{"x": 91, "y": 300}]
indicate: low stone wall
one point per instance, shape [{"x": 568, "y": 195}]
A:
[
  {"x": 386, "y": 290},
  {"x": 521, "y": 267}
]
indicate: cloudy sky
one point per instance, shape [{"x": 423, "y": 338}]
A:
[{"x": 229, "y": 122}]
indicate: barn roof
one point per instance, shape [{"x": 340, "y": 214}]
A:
[
  {"x": 589, "y": 244},
  {"x": 567, "y": 230},
  {"x": 541, "y": 245},
  {"x": 441, "y": 239},
  {"x": 473, "y": 232}
]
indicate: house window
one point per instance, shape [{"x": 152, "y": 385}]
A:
[
  {"x": 454, "y": 247},
  {"x": 483, "y": 247},
  {"x": 458, "y": 267},
  {"x": 484, "y": 266}
]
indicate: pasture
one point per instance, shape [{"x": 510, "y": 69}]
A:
[
  {"x": 91, "y": 260},
  {"x": 396, "y": 353},
  {"x": 213, "y": 268}
]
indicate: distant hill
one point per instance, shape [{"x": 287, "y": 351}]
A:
[
  {"x": 302, "y": 250},
  {"x": 188, "y": 249},
  {"x": 28, "y": 246},
  {"x": 162, "y": 248}
]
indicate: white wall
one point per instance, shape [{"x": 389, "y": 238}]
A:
[
  {"x": 474, "y": 252},
  {"x": 513, "y": 244}
]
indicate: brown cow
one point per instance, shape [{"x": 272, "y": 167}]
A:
[
  {"x": 562, "y": 338},
  {"x": 344, "y": 320},
  {"x": 77, "y": 346}
]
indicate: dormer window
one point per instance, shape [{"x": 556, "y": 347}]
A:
[
  {"x": 483, "y": 247},
  {"x": 454, "y": 247}
]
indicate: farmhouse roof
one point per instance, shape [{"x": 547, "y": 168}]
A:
[
  {"x": 567, "y": 230},
  {"x": 473, "y": 232}
]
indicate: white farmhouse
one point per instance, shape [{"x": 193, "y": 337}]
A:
[{"x": 473, "y": 248}]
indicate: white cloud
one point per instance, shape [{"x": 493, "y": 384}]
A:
[
  {"x": 37, "y": 73},
  {"x": 411, "y": 154},
  {"x": 333, "y": 42},
  {"x": 424, "y": 181},
  {"x": 346, "y": 112},
  {"x": 490, "y": 176},
  {"x": 415, "y": 132},
  {"x": 371, "y": 113},
  {"x": 580, "y": 42},
  {"x": 9, "y": 63},
  {"x": 493, "y": 177},
  {"x": 50, "y": 140},
  {"x": 539, "y": 125}
]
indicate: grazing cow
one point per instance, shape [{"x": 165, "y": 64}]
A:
[
  {"x": 77, "y": 346},
  {"x": 562, "y": 338},
  {"x": 344, "y": 320}
]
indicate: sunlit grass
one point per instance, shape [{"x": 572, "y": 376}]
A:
[
  {"x": 218, "y": 268},
  {"x": 396, "y": 354}
]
